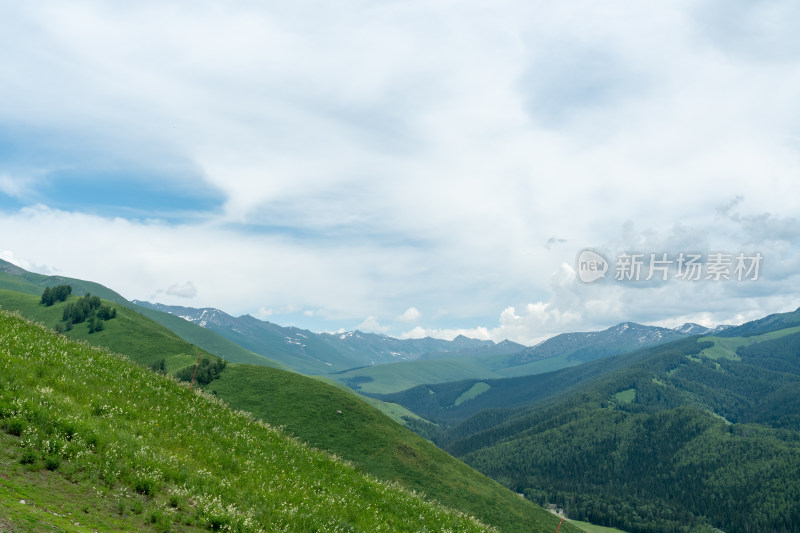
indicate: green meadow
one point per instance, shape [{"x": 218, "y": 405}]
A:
[{"x": 127, "y": 448}]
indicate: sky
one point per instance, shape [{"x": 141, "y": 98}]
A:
[{"x": 410, "y": 168}]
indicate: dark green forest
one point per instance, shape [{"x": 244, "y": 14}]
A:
[
  {"x": 675, "y": 470},
  {"x": 661, "y": 440}
]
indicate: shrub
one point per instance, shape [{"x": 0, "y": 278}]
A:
[
  {"x": 15, "y": 426},
  {"x": 145, "y": 485},
  {"x": 174, "y": 501},
  {"x": 52, "y": 462},
  {"x": 28, "y": 457}
]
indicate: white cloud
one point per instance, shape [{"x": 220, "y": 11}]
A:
[
  {"x": 263, "y": 313},
  {"x": 10, "y": 256},
  {"x": 371, "y": 324},
  {"x": 15, "y": 187},
  {"x": 411, "y": 314},
  {"x": 182, "y": 290}
]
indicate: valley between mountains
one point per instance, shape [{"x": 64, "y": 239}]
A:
[{"x": 639, "y": 428}]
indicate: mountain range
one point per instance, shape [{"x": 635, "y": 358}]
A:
[
  {"x": 352, "y": 357},
  {"x": 324, "y": 353},
  {"x": 624, "y": 337}
]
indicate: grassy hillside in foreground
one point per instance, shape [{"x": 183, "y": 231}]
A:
[
  {"x": 340, "y": 422},
  {"x": 369, "y": 439},
  {"x": 121, "y": 448}
]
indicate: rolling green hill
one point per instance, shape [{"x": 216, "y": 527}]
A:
[
  {"x": 692, "y": 435},
  {"x": 334, "y": 420},
  {"x": 92, "y": 441},
  {"x": 305, "y": 406},
  {"x": 16, "y": 279}
]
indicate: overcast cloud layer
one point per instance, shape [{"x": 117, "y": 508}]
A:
[{"x": 412, "y": 168}]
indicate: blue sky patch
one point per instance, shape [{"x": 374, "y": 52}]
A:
[
  {"x": 129, "y": 195},
  {"x": 69, "y": 172}
]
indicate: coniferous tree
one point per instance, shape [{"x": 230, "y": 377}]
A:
[
  {"x": 47, "y": 297},
  {"x": 62, "y": 292},
  {"x": 52, "y": 295}
]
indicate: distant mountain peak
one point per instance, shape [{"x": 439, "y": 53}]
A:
[
  {"x": 691, "y": 328},
  {"x": 590, "y": 345}
]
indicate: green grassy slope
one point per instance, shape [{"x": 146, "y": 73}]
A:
[
  {"x": 591, "y": 528},
  {"x": 16, "y": 282},
  {"x": 142, "y": 451},
  {"x": 726, "y": 347},
  {"x": 311, "y": 411},
  {"x": 395, "y": 411}
]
